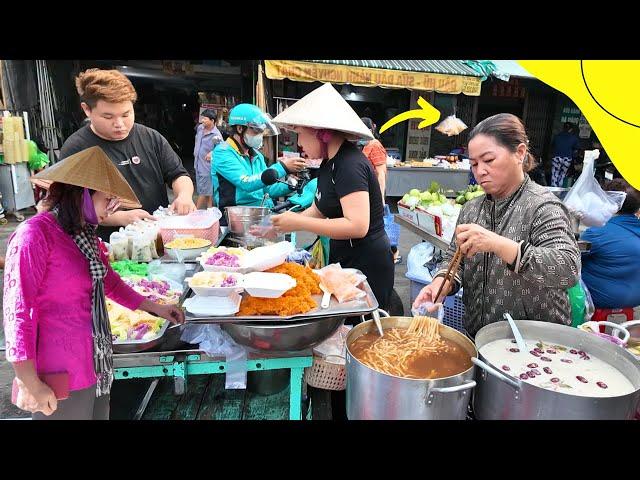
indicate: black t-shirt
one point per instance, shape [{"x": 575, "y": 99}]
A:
[
  {"x": 348, "y": 172},
  {"x": 144, "y": 158}
]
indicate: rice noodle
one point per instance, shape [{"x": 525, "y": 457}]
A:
[{"x": 395, "y": 352}]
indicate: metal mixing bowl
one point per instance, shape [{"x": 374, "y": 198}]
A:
[
  {"x": 240, "y": 219},
  {"x": 283, "y": 336}
]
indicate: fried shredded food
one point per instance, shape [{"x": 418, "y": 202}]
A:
[{"x": 295, "y": 301}]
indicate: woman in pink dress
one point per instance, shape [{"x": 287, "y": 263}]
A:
[{"x": 56, "y": 278}]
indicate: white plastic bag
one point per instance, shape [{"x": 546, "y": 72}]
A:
[
  {"x": 587, "y": 200},
  {"x": 214, "y": 342},
  {"x": 419, "y": 255}
]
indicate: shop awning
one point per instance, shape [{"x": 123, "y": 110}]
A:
[
  {"x": 442, "y": 76},
  {"x": 511, "y": 68}
]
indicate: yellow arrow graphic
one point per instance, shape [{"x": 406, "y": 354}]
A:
[
  {"x": 607, "y": 94},
  {"x": 427, "y": 112}
]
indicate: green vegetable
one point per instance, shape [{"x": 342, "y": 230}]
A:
[
  {"x": 434, "y": 188},
  {"x": 127, "y": 268},
  {"x": 461, "y": 199},
  {"x": 414, "y": 192}
]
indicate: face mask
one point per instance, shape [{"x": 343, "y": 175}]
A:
[
  {"x": 88, "y": 210},
  {"x": 253, "y": 142}
]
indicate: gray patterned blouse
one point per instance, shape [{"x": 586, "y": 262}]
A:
[{"x": 548, "y": 262}]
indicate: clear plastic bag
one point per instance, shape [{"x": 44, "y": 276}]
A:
[
  {"x": 119, "y": 243},
  {"x": 429, "y": 309},
  {"x": 587, "y": 200},
  {"x": 417, "y": 261},
  {"x": 214, "y": 342},
  {"x": 451, "y": 125},
  {"x": 342, "y": 284},
  {"x": 334, "y": 348},
  {"x": 141, "y": 252}
]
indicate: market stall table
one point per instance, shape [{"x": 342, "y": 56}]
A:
[
  {"x": 180, "y": 364},
  {"x": 402, "y": 179}
]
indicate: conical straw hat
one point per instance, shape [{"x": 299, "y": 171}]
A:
[
  {"x": 90, "y": 168},
  {"x": 324, "y": 108}
]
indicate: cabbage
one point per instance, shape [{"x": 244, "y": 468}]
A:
[
  {"x": 426, "y": 197},
  {"x": 448, "y": 209},
  {"x": 413, "y": 202},
  {"x": 414, "y": 192},
  {"x": 435, "y": 210}
]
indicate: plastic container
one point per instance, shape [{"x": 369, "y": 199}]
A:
[
  {"x": 453, "y": 306},
  {"x": 263, "y": 258},
  {"x": 213, "y": 306},
  {"x": 268, "y": 285},
  {"x": 218, "y": 291},
  {"x": 200, "y": 224},
  {"x": 184, "y": 254}
]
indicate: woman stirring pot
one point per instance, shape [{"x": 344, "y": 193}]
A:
[
  {"x": 348, "y": 206},
  {"x": 520, "y": 255}
]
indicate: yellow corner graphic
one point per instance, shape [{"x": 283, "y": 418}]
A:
[
  {"x": 426, "y": 111},
  {"x": 608, "y": 95}
]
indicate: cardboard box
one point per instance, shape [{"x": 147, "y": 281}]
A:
[
  {"x": 407, "y": 213},
  {"x": 429, "y": 222}
]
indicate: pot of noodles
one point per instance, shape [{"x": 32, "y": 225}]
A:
[{"x": 419, "y": 370}]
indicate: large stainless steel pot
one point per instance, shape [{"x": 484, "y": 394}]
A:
[
  {"x": 283, "y": 336},
  {"x": 499, "y": 396},
  {"x": 372, "y": 395},
  {"x": 240, "y": 219}
]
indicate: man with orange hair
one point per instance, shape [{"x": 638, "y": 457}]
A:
[{"x": 141, "y": 154}]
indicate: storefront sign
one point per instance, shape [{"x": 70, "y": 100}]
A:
[
  {"x": 418, "y": 139},
  {"x": 372, "y": 77},
  {"x": 510, "y": 89}
]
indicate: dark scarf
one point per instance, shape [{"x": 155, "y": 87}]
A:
[{"x": 87, "y": 242}]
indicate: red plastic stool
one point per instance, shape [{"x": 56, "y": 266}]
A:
[{"x": 615, "y": 315}]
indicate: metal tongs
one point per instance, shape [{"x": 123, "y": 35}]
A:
[{"x": 451, "y": 272}]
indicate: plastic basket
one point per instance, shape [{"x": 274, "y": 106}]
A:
[
  {"x": 326, "y": 375},
  {"x": 453, "y": 306},
  {"x": 210, "y": 234}
]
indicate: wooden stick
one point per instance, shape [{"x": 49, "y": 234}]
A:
[{"x": 453, "y": 266}]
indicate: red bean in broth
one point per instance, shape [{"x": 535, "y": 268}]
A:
[{"x": 532, "y": 365}]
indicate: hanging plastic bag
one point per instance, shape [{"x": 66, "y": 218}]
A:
[
  {"x": 587, "y": 200},
  {"x": 215, "y": 343},
  {"x": 318, "y": 259},
  {"x": 451, "y": 125}
]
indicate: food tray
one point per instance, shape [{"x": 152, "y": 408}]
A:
[
  {"x": 355, "y": 308},
  {"x": 135, "y": 346}
]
